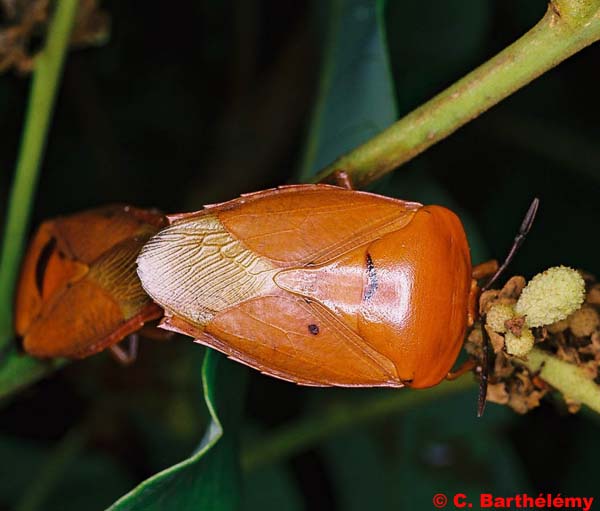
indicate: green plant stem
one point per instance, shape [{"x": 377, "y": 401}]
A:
[
  {"x": 567, "y": 27},
  {"x": 570, "y": 380},
  {"x": 46, "y": 76},
  {"x": 307, "y": 432}
]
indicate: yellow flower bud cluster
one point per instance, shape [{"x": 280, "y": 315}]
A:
[{"x": 548, "y": 298}]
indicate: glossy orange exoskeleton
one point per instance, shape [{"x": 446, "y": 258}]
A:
[
  {"x": 318, "y": 285},
  {"x": 78, "y": 292}
]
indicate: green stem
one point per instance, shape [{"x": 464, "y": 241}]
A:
[
  {"x": 567, "y": 27},
  {"x": 46, "y": 76},
  {"x": 310, "y": 431},
  {"x": 570, "y": 380}
]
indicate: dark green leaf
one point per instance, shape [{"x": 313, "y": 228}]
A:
[
  {"x": 356, "y": 93},
  {"x": 209, "y": 478}
]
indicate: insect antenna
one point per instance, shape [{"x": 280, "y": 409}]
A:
[
  {"x": 485, "y": 348},
  {"x": 483, "y": 376},
  {"x": 518, "y": 241}
]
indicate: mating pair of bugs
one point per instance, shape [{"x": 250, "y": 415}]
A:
[{"x": 316, "y": 284}]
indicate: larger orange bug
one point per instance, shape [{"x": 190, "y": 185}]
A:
[
  {"x": 78, "y": 292},
  {"x": 319, "y": 285}
]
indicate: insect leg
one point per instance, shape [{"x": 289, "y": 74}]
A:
[
  {"x": 126, "y": 356},
  {"x": 463, "y": 368},
  {"x": 342, "y": 179},
  {"x": 486, "y": 269}
]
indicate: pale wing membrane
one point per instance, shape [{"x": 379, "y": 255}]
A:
[
  {"x": 291, "y": 338},
  {"x": 196, "y": 269}
]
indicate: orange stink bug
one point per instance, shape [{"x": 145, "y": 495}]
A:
[
  {"x": 78, "y": 292},
  {"x": 320, "y": 285}
]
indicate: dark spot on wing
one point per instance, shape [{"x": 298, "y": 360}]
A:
[
  {"x": 313, "y": 329},
  {"x": 42, "y": 264},
  {"x": 371, "y": 279}
]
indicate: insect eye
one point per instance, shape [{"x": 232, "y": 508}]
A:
[{"x": 42, "y": 264}]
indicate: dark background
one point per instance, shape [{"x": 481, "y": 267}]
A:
[{"x": 196, "y": 102}]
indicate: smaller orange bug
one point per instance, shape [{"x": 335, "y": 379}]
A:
[
  {"x": 78, "y": 292},
  {"x": 320, "y": 285}
]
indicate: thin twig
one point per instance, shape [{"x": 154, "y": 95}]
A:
[
  {"x": 567, "y": 27},
  {"x": 46, "y": 77}
]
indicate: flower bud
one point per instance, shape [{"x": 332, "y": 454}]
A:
[
  {"x": 584, "y": 322},
  {"x": 498, "y": 315},
  {"x": 519, "y": 346},
  {"x": 551, "y": 296}
]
